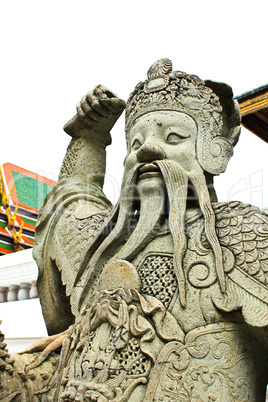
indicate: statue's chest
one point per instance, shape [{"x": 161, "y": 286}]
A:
[{"x": 155, "y": 266}]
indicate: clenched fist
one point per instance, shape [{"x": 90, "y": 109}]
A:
[{"x": 98, "y": 111}]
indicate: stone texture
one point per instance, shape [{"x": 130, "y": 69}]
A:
[{"x": 163, "y": 297}]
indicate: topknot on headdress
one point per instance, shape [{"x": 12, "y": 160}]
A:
[
  {"x": 210, "y": 104},
  {"x": 159, "y": 68}
]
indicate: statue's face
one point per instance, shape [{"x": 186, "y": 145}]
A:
[{"x": 162, "y": 135}]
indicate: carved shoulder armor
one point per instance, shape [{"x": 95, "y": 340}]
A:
[{"x": 243, "y": 229}]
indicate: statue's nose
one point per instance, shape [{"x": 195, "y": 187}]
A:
[{"x": 150, "y": 152}]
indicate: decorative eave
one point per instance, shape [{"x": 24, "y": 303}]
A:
[
  {"x": 254, "y": 111},
  {"x": 21, "y": 195}
]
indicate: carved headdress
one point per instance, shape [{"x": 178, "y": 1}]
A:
[{"x": 209, "y": 103}]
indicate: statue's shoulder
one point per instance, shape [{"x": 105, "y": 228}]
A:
[
  {"x": 242, "y": 229},
  {"x": 233, "y": 209},
  {"x": 71, "y": 217}
]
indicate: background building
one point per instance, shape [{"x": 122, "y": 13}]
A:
[
  {"x": 21, "y": 195},
  {"x": 254, "y": 111}
]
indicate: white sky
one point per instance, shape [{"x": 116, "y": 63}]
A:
[{"x": 54, "y": 51}]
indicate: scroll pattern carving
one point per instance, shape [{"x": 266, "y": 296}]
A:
[{"x": 213, "y": 365}]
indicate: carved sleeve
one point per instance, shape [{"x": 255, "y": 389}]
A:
[{"x": 85, "y": 157}]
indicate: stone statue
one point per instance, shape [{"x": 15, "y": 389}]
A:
[{"x": 163, "y": 297}]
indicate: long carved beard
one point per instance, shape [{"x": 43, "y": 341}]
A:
[
  {"x": 176, "y": 180},
  {"x": 124, "y": 242},
  {"x": 133, "y": 229}
]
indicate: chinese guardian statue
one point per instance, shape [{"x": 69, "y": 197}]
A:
[{"x": 164, "y": 296}]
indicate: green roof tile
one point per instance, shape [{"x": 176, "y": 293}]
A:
[{"x": 30, "y": 192}]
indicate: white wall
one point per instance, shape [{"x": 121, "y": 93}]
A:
[
  {"x": 17, "y": 267},
  {"x": 22, "y": 321}
]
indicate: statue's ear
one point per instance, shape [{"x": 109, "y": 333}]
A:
[
  {"x": 230, "y": 113},
  {"x": 214, "y": 154}
]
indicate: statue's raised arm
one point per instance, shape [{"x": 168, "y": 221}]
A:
[
  {"x": 76, "y": 208},
  {"x": 90, "y": 129}
]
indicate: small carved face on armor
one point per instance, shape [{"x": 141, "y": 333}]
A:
[{"x": 162, "y": 135}]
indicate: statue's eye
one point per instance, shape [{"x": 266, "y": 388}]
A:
[
  {"x": 136, "y": 145},
  {"x": 174, "y": 138}
]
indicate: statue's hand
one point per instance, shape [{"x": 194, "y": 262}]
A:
[
  {"x": 98, "y": 106},
  {"x": 97, "y": 111}
]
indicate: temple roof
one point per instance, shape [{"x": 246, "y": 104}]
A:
[
  {"x": 21, "y": 195},
  {"x": 254, "y": 111}
]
